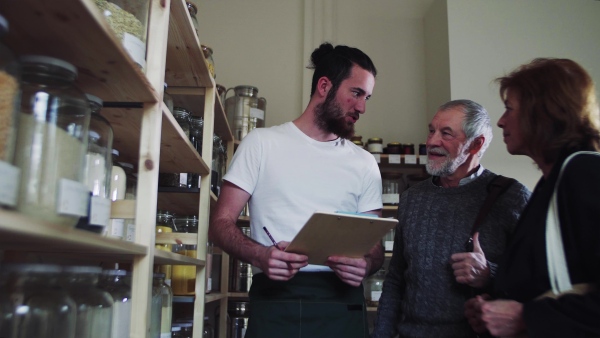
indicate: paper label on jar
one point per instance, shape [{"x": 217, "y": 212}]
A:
[
  {"x": 390, "y": 198},
  {"x": 115, "y": 228},
  {"x": 9, "y": 183},
  {"x": 183, "y": 179},
  {"x": 394, "y": 158},
  {"x": 389, "y": 245},
  {"x": 377, "y": 157},
  {"x": 165, "y": 335},
  {"x": 136, "y": 49},
  {"x": 257, "y": 113},
  {"x": 130, "y": 230},
  {"x": 410, "y": 159},
  {"x": 423, "y": 159},
  {"x": 99, "y": 211},
  {"x": 73, "y": 198},
  {"x": 375, "y": 295}
]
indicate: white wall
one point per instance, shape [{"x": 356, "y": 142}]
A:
[{"x": 488, "y": 39}]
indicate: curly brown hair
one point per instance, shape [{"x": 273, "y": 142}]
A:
[{"x": 558, "y": 106}]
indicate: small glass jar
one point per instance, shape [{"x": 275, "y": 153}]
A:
[
  {"x": 392, "y": 186},
  {"x": 98, "y": 165},
  {"x": 156, "y": 305},
  {"x": 9, "y": 96},
  {"x": 182, "y": 116},
  {"x": 168, "y": 99},
  {"x": 94, "y": 306},
  {"x": 193, "y": 15},
  {"x": 129, "y": 21},
  {"x": 422, "y": 149},
  {"x": 52, "y": 142},
  {"x": 183, "y": 280},
  {"x": 175, "y": 331},
  {"x": 394, "y": 148},
  {"x": 38, "y": 307},
  {"x": 166, "y": 295},
  {"x": 196, "y": 128},
  {"x": 115, "y": 282},
  {"x": 210, "y": 62},
  {"x": 408, "y": 149},
  {"x": 185, "y": 329},
  {"x": 374, "y": 287},
  {"x": 388, "y": 240},
  {"x": 375, "y": 145}
]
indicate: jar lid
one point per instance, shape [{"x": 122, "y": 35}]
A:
[
  {"x": 358, "y": 142},
  {"x": 393, "y": 144},
  {"x": 115, "y": 152},
  {"x": 158, "y": 275},
  {"x": 83, "y": 269},
  {"x": 245, "y": 90},
  {"x": 408, "y": 144},
  {"x": 48, "y": 61},
  {"x": 375, "y": 140},
  {"x": 181, "y": 111},
  {"x": 181, "y": 325},
  {"x": 32, "y": 268},
  {"x": 206, "y": 50},
  {"x": 356, "y": 138},
  {"x": 175, "y": 328},
  {"x": 126, "y": 165},
  {"x": 94, "y": 98}
]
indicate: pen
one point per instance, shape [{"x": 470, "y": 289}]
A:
[{"x": 272, "y": 239}]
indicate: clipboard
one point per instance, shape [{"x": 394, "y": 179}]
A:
[{"x": 327, "y": 234}]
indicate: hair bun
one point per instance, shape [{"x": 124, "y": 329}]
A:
[{"x": 319, "y": 54}]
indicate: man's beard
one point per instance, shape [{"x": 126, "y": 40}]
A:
[
  {"x": 330, "y": 118},
  {"x": 449, "y": 165}
]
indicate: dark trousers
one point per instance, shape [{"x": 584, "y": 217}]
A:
[{"x": 310, "y": 305}]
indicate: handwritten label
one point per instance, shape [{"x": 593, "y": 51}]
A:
[
  {"x": 99, "y": 211},
  {"x": 410, "y": 159},
  {"x": 394, "y": 158},
  {"x": 423, "y": 159},
  {"x": 73, "y": 198},
  {"x": 9, "y": 184}
]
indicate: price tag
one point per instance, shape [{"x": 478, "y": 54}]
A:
[
  {"x": 377, "y": 157},
  {"x": 394, "y": 158},
  {"x": 390, "y": 198},
  {"x": 73, "y": 198},
  {"x": 9, "y": 184},
  {"x": 389, "y": 245},
  {"x": 183, "y": 179},
  {"x": 410, "y": 159}
]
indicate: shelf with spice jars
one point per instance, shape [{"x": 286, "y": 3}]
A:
[{"x": 145, "y": 132}]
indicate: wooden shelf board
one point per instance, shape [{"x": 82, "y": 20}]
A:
[
  {"x": 214, "y": 296},
  {"x": 186, "y": 65},
  {"x": 170, "y": 258},
  {"x": 19, "y": 232},
  {"x": 237, "y": 294},
  {"x": 64, "y": 29}
]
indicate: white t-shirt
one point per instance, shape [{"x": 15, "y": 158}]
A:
[{"x": 290, "y": 176}]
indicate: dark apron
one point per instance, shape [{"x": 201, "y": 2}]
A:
[{"x": 310, "y": 305}]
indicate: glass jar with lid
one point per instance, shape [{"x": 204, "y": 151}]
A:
[
  {"x": 210, "y": 62},
  {"x": 193, "y": 10},
  {"x": 166, "y": 295},
  {"x": 130, "y": 194},
  {"x": 374, "y": 287},
  {"x": 393, "y": 185},
  {"x": 185, "y": 329},
  {"x": 129, "y": 21},
  {"x": 208, "y": 329},
  {"x": 98, "y": 166},
  {"x": 375, "y": 145},
  {"x": 94, "y": 305},
  {"x": 115, "y": 282},
  {"x": 52, "y": 142},
  {"x": 222, "y": 162},
  {"x": 9, "y": 103},
  {"x": 215, "y": 165},
  {"x": 156, "y": 306},
  {"x": 183, "y": 280},
  {"x": 182, "y": 116},
  {"x": 38, "y": 306},
  {"x": 196, "y": 128}
]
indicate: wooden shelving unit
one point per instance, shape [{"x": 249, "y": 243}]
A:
[{"x": 146, "y": 134}]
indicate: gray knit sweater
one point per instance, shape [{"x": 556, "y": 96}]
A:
[{"x": 420, "y": 296}]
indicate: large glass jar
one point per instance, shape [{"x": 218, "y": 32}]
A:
[
  {"x": 9, "y": 103},
  {"x": 118, "y": 185},
  {"x": 164, "y": 224},
  {"x": 196, "y": 128},
  {"x": 168, "y": 99},
  {"x": 193, "y": 15},
  {"x": 210, "y": 62},
  {"x": 222, "y": 162},
  {"x": 130, "y": 194},
  {"x": 183, "y": 280},
  {"x": 215, "y": 177},
  {"x": 373, "y": 287},
  {"x": 115, "y": 283},
  {"x": 38, "y": 306},
  {"x": 182, "y": 116},
  {"x": 52, "y": 142},
  {"x": 167, "y": 304},
  {"x": 156, "y": 307},
  {"x": 98, "y": 166},
  {"x": 129, "y": 21},
  {"x": 94, "y": 306}
]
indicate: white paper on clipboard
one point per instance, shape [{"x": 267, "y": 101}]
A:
[{"x": 337, "y": 234}]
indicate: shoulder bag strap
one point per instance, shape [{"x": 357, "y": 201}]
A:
[
  {"x": 558, "y": 271},
  {"x": 495, "y": 188}
]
